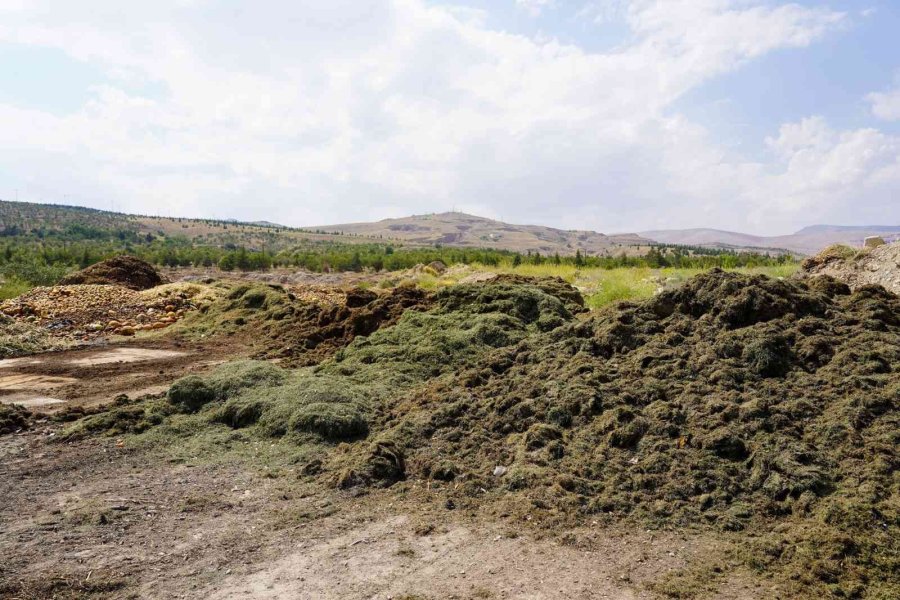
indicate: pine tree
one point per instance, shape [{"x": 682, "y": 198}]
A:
[{"x": 579, "y": 259}]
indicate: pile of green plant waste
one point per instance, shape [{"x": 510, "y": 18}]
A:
[
  {"x": 338, "y": 400},
  {"x": 765, "y": 409},
  {"x": 736, "y": 402},
  {"x": 21, "y": 338},
  {"x": 13, "y": 418},
  {"x": 238, "y": 308}
]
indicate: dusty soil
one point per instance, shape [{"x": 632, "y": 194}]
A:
[
  {"x": 92, "y": 376},
  {"x": 94, "y": 519}
]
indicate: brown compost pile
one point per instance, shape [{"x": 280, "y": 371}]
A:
[
  {"x": 737, "y": 402},
  {"x": 301, "y": 325},
  {"x": 317, "y": 331},
  {"x": 125, "y": 271}
]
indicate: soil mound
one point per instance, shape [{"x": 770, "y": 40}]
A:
[
  {"x": 125, "y": 271},
  {"x": 878, "y": 265}
]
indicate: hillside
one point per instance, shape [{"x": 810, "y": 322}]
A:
[
  {"x": 808, "y": 240},
  {"x": 460, "y": 229},
  {"x": 447, "y": 229},
  {"x": 26, "y": 218}
]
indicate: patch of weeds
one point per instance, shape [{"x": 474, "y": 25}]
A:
[
  {"x": 13, "y": 418},
  {"x": 120, "y": 420},
  {"x": 689, "y": 583}
]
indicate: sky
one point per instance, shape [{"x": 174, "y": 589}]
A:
[{"x": 613, "y": 115}]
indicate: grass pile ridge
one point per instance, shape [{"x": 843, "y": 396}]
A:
[
  {"x": 337, "y": 400},
  {"x": 738, "y": 403}
]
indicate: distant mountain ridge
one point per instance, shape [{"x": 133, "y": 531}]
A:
[
  {"x": 848, "y": 228},
  {"x": 450, "y": 229},
  {"x": 464, "y": 230},
  {"x": 808, "y": 240}
]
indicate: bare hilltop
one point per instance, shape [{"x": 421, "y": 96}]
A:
[{"x": 460, "y": 229}]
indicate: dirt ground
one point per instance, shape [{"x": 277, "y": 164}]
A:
[
  {"x": 95, "y": 519},
  {"x": 97, "y": 374}
]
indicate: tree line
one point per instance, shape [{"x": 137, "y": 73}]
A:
[{"x": 43, "y": 260}]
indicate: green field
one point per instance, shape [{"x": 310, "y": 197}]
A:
[{"x": 602, "y": 286}]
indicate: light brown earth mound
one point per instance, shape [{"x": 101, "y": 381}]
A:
[
  {"x": 89, "y": 311},
  {"x": 880, "y": 265},
  {"x": 125, "y": 271}
]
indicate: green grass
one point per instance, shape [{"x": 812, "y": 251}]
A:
[
  {"x": 13, "y": 288},
  {"x": 602, "y": 286}
]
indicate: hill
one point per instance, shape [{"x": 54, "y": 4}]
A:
[
  {"x": 32, "y": 219},
  {"x": 808, "y": 240},
  {"x": 463, "y": 230},
  {"x": 447, "y": 229}
]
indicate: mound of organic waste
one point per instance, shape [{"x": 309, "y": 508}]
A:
[
  {"x": 87, "y": 311},
  {"x": 735, "y": 402},
  {"x": 338, "y": 399},
  {"x": 300, "y": 325},
  {"x": 13, "y": 418},
  {"x": 318, "y": 331},
  {"x": 20, "y": 338},
  {"x": 879, "y": 265},
  {"x": 125, "y": 271}
]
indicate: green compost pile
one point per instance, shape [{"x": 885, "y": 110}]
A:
[
  {"x": 342, "y": 398},
  {"x": 21, "y": 338},
  {"x": 738, "y": 403}
]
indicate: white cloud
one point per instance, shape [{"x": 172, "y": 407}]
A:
[
  {"x": 886, "y": 105},
  {"x": 603, "y": 11},
  {"x": 320, "y": 112},
  {"x": 535, "y": 7}
]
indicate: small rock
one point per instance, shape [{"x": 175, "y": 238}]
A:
[{"x": 500, "y": 471}]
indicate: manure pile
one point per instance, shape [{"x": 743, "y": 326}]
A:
[
  {"x": 765, "y": 409},
  {"x": 126, "y": 271}
]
